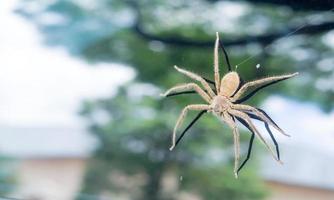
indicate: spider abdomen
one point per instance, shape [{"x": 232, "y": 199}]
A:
[{"x": 229, "y": 84}]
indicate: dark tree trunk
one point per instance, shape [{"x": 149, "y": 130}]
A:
[{"x": 153, "y": 186}]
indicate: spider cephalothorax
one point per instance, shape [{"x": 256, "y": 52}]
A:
[{"x": 224, "y": 101}]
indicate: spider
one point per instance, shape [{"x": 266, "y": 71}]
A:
[{"x": 224, "y": 101}]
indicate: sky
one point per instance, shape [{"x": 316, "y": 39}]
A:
[
  {"x": 41, "y": 91},
  {"x": 44, "y": 87},
  {"x": 41, "y": 85}
]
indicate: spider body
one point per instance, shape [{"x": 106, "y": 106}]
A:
[
  {"x": 224, "y": 101},
  {"x": 219, "y": 105}
]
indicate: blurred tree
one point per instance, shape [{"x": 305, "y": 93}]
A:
[
  {"x": 7, "y": 177},
  {"x": 152, "y": 36},
  {"x": 134, "y": 137}
]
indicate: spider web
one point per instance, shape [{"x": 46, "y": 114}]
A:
[{"x": 287, "y": 35}]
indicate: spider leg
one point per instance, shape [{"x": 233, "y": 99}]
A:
[
  {"x": 247, "y": 119},
  {"x": 198, "y": 78},
  {"x": 216, "y": 64},
  {"x": 209, "y": 81},
  {"x": 231, "y": 123},
  {"x": 261, "y": 114},
  {"x": 180, "y": 93},
  {"x": 188, "y": 86},
  {"x": 259, "y": 82},
  {"x": 269, "y": 131},
  {"x": 250, "y": 146},
  {"x": 248, "y": 96},
  {"x": 200, "y": 107},
  {"x": 229, "y": 68},
  {"x": 199, "y": 115},
  {"x": 192, "y": 92},
  {"x": 274, "y": 140}
]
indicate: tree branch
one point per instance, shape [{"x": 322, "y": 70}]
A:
[
  {"x": 301, "y": 5},
  {"x": 264, "y": 39}
]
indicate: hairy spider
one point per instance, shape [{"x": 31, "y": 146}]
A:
[{"x": 224, "y": 101}]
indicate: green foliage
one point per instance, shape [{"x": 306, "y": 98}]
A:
[
  {"x": 218, "y": 183},
  {"x": 7, "y": 178}
]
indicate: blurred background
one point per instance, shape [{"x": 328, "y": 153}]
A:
[{"x": 81, "y": 117}]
